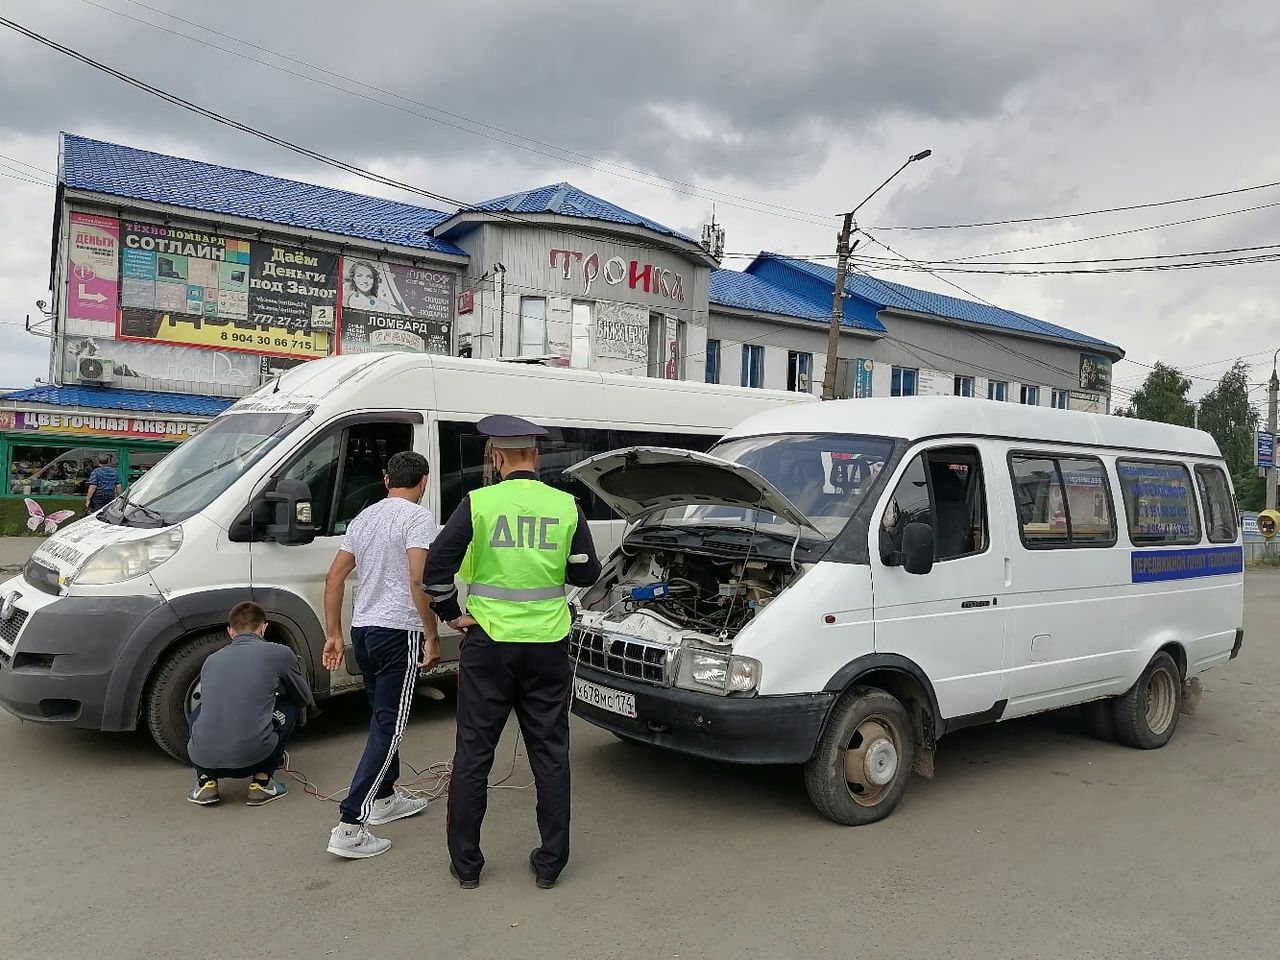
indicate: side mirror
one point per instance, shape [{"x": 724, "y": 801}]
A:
[
  {"x": 291, "y": 507},
  {"x": 917, "y": 548}
]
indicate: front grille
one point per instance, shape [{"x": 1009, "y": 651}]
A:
[
  {"x": 9, "y": 628},
  {"x": 622, "y": 656}
]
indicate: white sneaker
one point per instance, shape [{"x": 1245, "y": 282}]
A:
[
  {"x": 396, "y": 807},
  {"x": 355, "y": 842}
]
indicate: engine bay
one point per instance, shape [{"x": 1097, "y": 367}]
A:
[{"x": 710, "y": 596}]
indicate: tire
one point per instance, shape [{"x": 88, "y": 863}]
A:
[
  {"x": 165, "y": 703},
  {"x": 1100, "y": 718},
  {"x": 1147, "y": 715},
  {"x": 862, "y": 713}
]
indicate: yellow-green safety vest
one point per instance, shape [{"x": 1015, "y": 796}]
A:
[{"x": 521, "y": 535}]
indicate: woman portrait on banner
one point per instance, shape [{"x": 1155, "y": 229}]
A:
[{"x": 370, "y": 286}]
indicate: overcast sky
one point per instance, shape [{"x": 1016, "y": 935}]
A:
[{"x": 1029, "y": 111}]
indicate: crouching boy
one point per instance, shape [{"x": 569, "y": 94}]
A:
[{"x": 252, "y": 695}]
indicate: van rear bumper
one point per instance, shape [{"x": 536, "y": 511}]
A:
[
  {"x": 75, "y": 660},
  {"x": 779, "y": 729}
]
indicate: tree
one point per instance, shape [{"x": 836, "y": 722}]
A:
[
  {"x": 1162, "y": 397},
  {"x": 1227, "y": 414}
]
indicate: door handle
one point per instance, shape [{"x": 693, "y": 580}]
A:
[{"x": 1008, "y": 572}]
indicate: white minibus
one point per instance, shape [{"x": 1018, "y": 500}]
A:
[
  {"x": 840, "y": 585},
  {"x": 112, "y": 617}
]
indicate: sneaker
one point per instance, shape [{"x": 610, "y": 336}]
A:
[
  {"x": 205, "y": 793},
  {"x": 260, "y": 793},
  {"x": 464, "y": 884},
  {"x": 542, "y": 882},
  {"x": 396, "y": 807},
  {"x": 355, "y": 842}
]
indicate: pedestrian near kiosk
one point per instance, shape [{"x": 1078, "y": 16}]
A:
[
  {"x": 521, "y": 541},
  {"x": 393, "y": 634},
  {"x": 104, "y": 484}
]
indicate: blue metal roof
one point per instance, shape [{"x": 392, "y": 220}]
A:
[
  {"x": 566, "y": 200},
  {"x": 898, "y": 296},
  {"x": 157, "y": 178},
  {"x": 131, "y": 401},
  {"x": 745, "y": 291}
]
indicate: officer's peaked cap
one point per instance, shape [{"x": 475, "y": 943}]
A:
[{"x": 511, "y": 433}]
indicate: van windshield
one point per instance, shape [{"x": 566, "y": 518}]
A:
[
  {"x": 190, "y": 478},
  {"x": 826, "y": 476}
]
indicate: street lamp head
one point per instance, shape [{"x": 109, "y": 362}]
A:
[{"x": 919, "y": 156}]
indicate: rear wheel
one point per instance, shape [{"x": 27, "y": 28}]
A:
[
  {"x": 860, "y": 769},
  {"x": 1147, "y": 715},
  {"x": 174, "y": 691}
]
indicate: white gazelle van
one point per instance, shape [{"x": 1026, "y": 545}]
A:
[
  {"x": 841, "y": 584},
  {"x": 110, "y": 621}
]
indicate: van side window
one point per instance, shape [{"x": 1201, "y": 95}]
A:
[
  {"x": 944, "y": 489},
  {"x": 316, "y": 468},
  {"x": 1158, "y": 502},
  {"x": 1062, "y": 501},
  {"x": 1220, "y": 514}
]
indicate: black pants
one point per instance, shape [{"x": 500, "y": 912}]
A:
[
  {"x": 494, "y": 677},
  {"x": 388, "y": 661},
  {"x": 284, "y": 730}
]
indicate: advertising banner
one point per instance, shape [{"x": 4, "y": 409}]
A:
[
  {"x": 190, "y": 288},
  {"x": 1095, "y": 372},
  {"x": 391, "y": 306},
  {"x": 622, "y": 332},
  {"x": 141, "y": 428},
  {"x": 862, "y": 387},
  {"x": 1265, "y": 449},
  {"x": 93, "y": 259},
  {"x": 161, "y": 366}
]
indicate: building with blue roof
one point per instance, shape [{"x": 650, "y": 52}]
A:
[{"x": 179, "y": 285}]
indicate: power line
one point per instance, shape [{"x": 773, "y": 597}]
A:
[
  {"x": 1082, "y": 213},
  {"x": 23, "y": 163},
  {"x": 561, "y": 154},
  {"x": 873, "y": 260},
  {"x": 23, "y": 179}
]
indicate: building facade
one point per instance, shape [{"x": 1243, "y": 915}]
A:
[{"x": 179, "y": 286}]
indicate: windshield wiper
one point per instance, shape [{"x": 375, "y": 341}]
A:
[{"x": 126, "y": 504}]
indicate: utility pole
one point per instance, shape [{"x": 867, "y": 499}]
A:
[
  {"x": 1272, "y": 391},
  {"x": 843, "y": 250},
  {"x": 837, "y": 309}
]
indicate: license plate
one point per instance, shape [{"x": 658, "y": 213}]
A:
[{"x": 615, "y": 701}]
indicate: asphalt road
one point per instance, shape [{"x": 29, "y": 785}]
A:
[{"x": 1033, "y": 841}]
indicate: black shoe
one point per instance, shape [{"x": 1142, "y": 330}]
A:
[
  {"x": 542, "y": 882},
  {"x": 464, "y": 884}
]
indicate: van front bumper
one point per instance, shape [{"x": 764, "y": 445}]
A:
[
  {"x": 775, "y": 729},
  {"x": 72, "y": 660}
]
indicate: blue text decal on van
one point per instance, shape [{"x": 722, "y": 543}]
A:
[{"x": 1150, "y": 566}]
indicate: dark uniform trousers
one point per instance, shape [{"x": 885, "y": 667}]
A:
[{"x": 493, "y": 677}]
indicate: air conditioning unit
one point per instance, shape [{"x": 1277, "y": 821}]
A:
[{"x": 96, "y": 370}]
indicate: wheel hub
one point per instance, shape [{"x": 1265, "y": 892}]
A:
[
  {"x": 881, "y": 762},
  {"x": 871, "y": 761}
]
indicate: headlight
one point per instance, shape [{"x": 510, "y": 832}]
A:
[
  {"x": 124, "y": 561},
  {"x": 718, "y": 672}
]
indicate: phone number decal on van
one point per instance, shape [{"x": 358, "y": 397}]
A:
[{"x": 1150, "y": 566}]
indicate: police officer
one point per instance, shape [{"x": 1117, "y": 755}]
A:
[{"x": 516, "y": 543}]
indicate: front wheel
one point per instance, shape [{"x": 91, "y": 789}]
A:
[
  {"x": 1147, "y": 715},
  {"x": 174, "y": 691},
  {"x": 859, "y": 771}
]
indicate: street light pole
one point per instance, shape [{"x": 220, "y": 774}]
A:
[{"x": 843, "y": 249}]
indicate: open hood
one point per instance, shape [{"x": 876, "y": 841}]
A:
[{"x": 639, "y": 481}]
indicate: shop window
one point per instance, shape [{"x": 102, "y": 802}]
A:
[
  {"x": 1158, "y": 502},
  {"x": 140, "y": 461},
  {"x": 998, "y": 390},
  {"x": 1059, "y": 399},
  {"x": 54, "y": 471},
  {"x": 713, "y": 361},
  {"x": 533, "y": 326},
  {"x": 752, "y": 365},
  {"x": 580, "y": 349},
  {"x": 903, "y": 383},
  {"x": 964, "y": 386},
  {"x": 799, "y": 371},
  {"x": 1030, "y": 395},
  {"x": 657, "y": 335}
]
